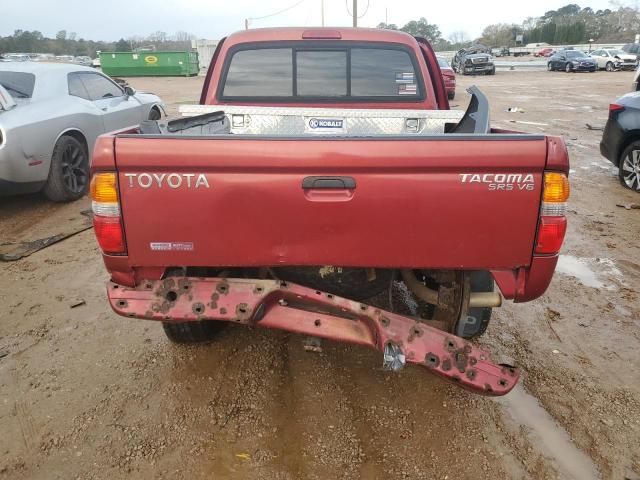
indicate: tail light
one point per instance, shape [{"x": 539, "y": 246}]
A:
[
  {"x": 107, "y": 221},
  {"x": 553, "y": 220},
  {"x": 615, "y": 108}
]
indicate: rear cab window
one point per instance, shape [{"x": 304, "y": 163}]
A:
[
  {"x": 18, "y": 84},
  {"x": 321, "y": 71}
]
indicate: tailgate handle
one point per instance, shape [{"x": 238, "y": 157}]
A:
[{"x": 332, "y": 183}]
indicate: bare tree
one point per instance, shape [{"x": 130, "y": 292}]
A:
[{"x": 458, "y": 38}]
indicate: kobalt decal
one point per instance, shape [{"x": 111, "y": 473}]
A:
[
  {"x": 325, "y": 123},
  {"x": 171, "y": 180},
  {"x": 501, "y": 181}
]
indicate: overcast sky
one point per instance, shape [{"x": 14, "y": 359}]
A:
[{"x": 113, "y": 19}]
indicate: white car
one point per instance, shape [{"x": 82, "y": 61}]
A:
[
  {"x": 50, "y": 117},
  {"x": 612, "y": 59}
]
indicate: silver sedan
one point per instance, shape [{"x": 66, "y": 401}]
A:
[{"x": 50, "y": 117}]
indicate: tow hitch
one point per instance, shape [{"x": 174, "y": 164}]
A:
[{"x": 291, "y": 307}]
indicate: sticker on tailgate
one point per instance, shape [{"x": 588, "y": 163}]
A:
[{"x": 171, "y": 246}]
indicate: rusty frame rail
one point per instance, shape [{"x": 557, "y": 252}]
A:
[{"x": 291, "y": 307}]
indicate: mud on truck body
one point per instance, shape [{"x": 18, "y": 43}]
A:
[{"x": 321, "y": 170}]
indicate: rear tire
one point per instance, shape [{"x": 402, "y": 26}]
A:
[
  {"x": 629, "y": 167},
  {"x": 192, "y": 332},
  {"x": 474, "y": 322},
  {"x": 69, "y": 171},
  {"x": 550, "y": 67},
  {"x": 451, "y": 96}
]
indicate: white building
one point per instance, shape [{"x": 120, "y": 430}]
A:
[{"x": 205, "y": 49}]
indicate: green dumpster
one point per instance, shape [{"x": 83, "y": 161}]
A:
[{"x": 145, "y": 64}]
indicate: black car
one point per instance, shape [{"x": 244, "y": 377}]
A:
[
  {"x": 633, "y": 48},
  {"x": 621, "y": 139},
  {"x": 473, "y": 60},
  {"x": 571, "y": 61}
]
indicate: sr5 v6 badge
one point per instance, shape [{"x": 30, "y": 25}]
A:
[
  {"x": 501, "y": 181},
  {"x": 171, "y": 180}
]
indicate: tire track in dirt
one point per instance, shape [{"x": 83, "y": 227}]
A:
[
  {"x": 27, "y": 428},
  {"x": 240, "y": 389},
  {"x": 24, "y": 418},
  {"x": 376, "y": 465},
  {"x": 285, "y": 413},
  {"x": 316, "y": 423}
]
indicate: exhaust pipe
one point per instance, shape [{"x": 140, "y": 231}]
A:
[
  {"x": 485, "y": 299},
  {"x": 424, "y": 293},
  {"x": 428, "y": 295}
]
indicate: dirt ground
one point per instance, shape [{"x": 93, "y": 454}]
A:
[{"x": 87, "y": 394}]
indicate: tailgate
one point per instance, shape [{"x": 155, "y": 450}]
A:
[{"x": 452, "y": 201}]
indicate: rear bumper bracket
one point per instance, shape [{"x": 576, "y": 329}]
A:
[{"x": 291, "y": 307}]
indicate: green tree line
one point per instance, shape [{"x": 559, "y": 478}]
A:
[
  {"x": 64, "y": 43},
  {"x": 570, "y": 24}
]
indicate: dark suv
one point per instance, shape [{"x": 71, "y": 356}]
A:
[
  {"x": 473, "y": 60},
  {"x": 633, "y": 48},
  {"x": 621, "y": 139}
]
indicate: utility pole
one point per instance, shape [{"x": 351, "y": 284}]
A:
[
  {"x": 355, "y": 13},
  {"x": 246, "y": 24},
  {"x": 322, "y": 11}
]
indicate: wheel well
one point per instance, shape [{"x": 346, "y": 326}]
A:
[
  {"x": 157, "y": 109},
  {"x": 78, "y": 136},
  {"x": 628, "y": 140}
]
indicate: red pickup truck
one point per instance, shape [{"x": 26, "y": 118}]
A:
[{"x": 322, "y": 170}]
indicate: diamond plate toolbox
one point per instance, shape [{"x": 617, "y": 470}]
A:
[{"x": 292, "y": 121}]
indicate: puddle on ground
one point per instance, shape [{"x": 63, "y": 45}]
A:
[
  {"x": 547, "y": 436},
  {"x": 591, "y": 272}
]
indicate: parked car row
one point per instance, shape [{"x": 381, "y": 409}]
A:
[
  {"x": 608, "y": 59},
  {"x": 46, "y": 57}
]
